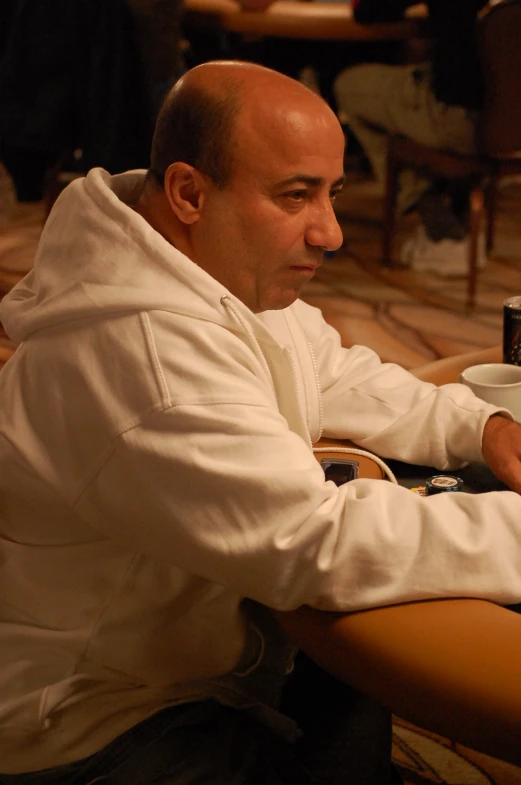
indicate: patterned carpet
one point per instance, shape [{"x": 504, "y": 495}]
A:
[
  {"x": 423, "y": 758},
  {"x": 406, "y": 318}
]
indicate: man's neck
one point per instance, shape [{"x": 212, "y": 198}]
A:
[{"x": 154, "y": 208}]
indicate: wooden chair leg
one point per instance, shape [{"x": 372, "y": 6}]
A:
[
  {"x": 491, "y": 211},
  {"x": 476, "y": 213},
  {"x": 391, "y": 190}
]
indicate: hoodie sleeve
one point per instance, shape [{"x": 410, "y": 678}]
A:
[
  {"x": 387, "y": 410},
  {"x": 227, "y": 492}
]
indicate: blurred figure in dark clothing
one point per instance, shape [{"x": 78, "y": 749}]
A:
[
  {"x": 83, "y": 75},
  {"x": 435, "y": 103}
]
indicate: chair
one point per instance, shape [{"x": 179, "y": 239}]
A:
[{"x": 498, "y": 136}]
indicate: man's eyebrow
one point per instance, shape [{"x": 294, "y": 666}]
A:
[{"x": 306, "y": 179}]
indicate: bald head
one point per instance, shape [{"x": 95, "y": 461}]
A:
[
  {"x": 249, "y": 162},
  {"x": 216, "y": 105}
]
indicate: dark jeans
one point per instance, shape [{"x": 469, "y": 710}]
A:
[{"x": 346, "y": 739}]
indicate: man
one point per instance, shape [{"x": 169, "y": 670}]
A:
[
  {"x": 435, "y": 103},
  {"x": 159, "y": 490}
]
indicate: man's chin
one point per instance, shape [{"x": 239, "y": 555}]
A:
[{"x": 279, "y": 301}]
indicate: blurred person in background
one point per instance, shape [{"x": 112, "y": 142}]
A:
[
  {"x": 81, "y": 82},
  {"x": 435, "y": 103}
]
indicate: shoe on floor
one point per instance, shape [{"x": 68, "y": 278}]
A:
[{"x": 448, "y": 258}]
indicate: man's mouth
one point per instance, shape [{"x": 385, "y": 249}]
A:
[{"x": 310, "y": 268}]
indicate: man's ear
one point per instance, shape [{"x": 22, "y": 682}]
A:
[{"x": 185, "y": 189}]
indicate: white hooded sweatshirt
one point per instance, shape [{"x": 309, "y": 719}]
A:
[{"x": 156, "y": 469}]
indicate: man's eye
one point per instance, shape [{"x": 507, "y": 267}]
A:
[
  {"x": 333, "y": 195},
  {"x": 296, "y": 196}
]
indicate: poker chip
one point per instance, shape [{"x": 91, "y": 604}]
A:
[{"x": 442, "y": 483}]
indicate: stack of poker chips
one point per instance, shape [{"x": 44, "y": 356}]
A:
[{"x": 439, "y": 483}]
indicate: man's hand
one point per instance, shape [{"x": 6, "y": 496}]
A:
[{"x": 502, "y": 450}]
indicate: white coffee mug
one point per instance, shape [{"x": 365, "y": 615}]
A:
[{"x": 496, "y": 383}]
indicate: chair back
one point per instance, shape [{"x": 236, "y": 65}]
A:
[{"x": 499, "y": 45}]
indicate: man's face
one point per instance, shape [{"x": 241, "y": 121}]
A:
[{"x": 265, "y": 234}]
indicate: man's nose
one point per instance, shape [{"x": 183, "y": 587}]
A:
[{"x": 324, "y": 230}]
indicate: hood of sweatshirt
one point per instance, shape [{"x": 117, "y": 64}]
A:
[{"x": 98, "y": 257}]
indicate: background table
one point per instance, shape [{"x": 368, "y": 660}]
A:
[{"x": 297, "y": 19}]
